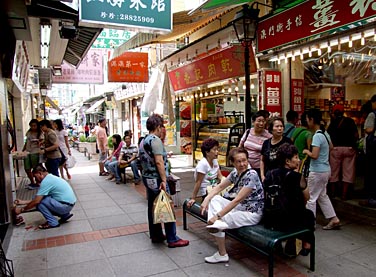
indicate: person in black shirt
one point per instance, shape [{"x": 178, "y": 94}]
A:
[
  {"x": 344, "y": 135},
  {"x": 270, "y": 146}
]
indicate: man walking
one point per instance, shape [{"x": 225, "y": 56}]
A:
[{"x": 55, "y": 197}]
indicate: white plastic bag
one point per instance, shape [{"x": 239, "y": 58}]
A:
[{"x": 71, "y": 162}]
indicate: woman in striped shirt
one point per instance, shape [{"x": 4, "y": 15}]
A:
[{"x": 253, "y": 139}]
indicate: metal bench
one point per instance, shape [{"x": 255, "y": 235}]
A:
[{"x": 257, "y": 237}]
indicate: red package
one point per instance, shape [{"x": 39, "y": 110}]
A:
[{"x": 185, "y": 110}]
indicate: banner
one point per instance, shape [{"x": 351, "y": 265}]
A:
[
  {"x": 139, "y": 14},
  {"x": 310, "y": 19},
  {"x": 272, "y": 87},
  {"x": 227, "y": 63},
  {"x": 297, "y": 95},
  {"x": 90, "y": 70},
  {"x": 129, "y": 67}
]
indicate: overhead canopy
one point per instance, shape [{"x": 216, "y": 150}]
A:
[
  {"x": 52, "y": 103},
  {"x": 213, "y": 4},
  {"x": 95, "y": 106}
]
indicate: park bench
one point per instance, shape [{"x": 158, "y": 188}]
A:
[{"x": 257, "y": 237}]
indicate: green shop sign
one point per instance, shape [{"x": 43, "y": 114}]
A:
[
  {"x": 137, "y": 14},
  {"x": 112, "y": 38}
]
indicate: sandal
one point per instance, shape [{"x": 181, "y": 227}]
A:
[
  {"x": 46, "y": 226},
  {"x": 20, "y": 220},
  {"x": 332, "y": 226},
  {"x": 104, "y": 173}
]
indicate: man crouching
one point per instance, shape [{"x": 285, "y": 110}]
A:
[{"x": 55, "y": 197}]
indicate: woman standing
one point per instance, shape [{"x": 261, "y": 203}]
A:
[
  {"x": 62, "y": 135},
  {"x": 153, "y": 159},
  {"x": 207, "y": 172},
  {"x": 241, "y": 206},
  {"x": 319, "y": 170},
  {"x": 253, "y": 139},
  {"x": 50, "y": 148},
  {"x": 270, "y": 146},
  {"x": 33, "y": 138},
  {"x": 111, "y": 164}
]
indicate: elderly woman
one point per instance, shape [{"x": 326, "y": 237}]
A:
[
  {"x": 253, "y": 139},
  {"x": 319, "y": 170},
  {"x": 207, "y": 172},
  {"x": 294, "y": 196},
  {"x": 153, "y": 159},
  {"x": 270, "y": 146},
  {"x": 241, "y": 206}
]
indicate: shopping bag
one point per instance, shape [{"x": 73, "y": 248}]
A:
[
  {"x": 71, "y": 162},
  {"x": 162, "y": 209}
]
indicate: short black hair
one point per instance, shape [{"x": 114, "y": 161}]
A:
[
  {"x": 373, "y": 98},
  {"x": 207, "y": 145},
  {"x": 291, "y": 115},
  {"x": 45, "y": 122},
  {"x": 258, "y": 114},
  {"x": 153, "y": 122},
  {"x": 101, "y": 120},
  {"x": 39, "y": 168}
]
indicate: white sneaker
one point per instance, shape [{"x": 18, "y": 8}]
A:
[
  {"x": 217, "y": 258},
  {"x": 217, "y": 226}
]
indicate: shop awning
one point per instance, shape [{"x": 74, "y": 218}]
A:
[
  {"x": 52, "y": 103},
  {"x": 214, "y": 4},
  {"x": 95, "y": 106}
]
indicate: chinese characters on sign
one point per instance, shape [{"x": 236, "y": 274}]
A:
[
  {"x": 140, "y": 14},
  {"x": 311, "y": 18},
  {"x": 129, "y": 67},
  {"x": 227, "y": 63},
  {"x": 90, "y": 70},
  {"x": 297, "y": 95},
  {"x": 112, "y": 38},
  {"x": 272, "y": 87}
]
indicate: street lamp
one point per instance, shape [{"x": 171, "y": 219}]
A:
[
  {"x": 245, "y": 23},
  {"x": 43, "y": 93}
]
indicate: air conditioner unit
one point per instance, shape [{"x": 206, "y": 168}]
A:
[{"x": 68, "y": 32}]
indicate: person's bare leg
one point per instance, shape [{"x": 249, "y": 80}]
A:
[
  {"x": 221, "y": 242},
  {"x": 66, "y": 170},
  {"x": 101, "y": 167},
  {"x": 61, "y": 172}
]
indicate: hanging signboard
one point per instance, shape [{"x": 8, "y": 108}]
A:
[
  {"x": 129, "y": 67},
  {"x": 310, "y": 19},
  {"x": 90, "y": 70},
  {"x": 112, "y": 38},
  {"x": 297, "y": 95},
  {"x": 140, "y": 14},
  {"x": 272, "y": 88},
  {"x": 227, "y": 63}
]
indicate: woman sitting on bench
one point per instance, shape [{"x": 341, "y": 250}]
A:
[{"x": 240, "y": 206}]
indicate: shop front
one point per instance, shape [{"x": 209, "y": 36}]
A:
[
  {"x": 326, "y": 54},
  {"x": 210, "y": 94}
]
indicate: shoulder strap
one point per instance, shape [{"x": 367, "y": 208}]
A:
[
  {"x": 238, "y": 181},
  {"x": 246, "y": 136},
  {"x": 321, "y": 132},
  {"x": 297, "y": 135},
  {"x": 289, "y": 130}
]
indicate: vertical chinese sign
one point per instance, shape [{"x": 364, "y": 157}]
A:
[
  {"x": 273, "y": 88},
  {"x": 297, "y": 95},
  {"x": 137, "y": 14},
  {"x": 129, "y": 67},
  {"x": 90, "y": 70}
]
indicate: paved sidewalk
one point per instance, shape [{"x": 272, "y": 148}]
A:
[{"x": 108, "y": 236}]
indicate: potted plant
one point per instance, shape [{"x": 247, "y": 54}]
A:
[
  {"x": 91, "y": 142},
  {"x": 82, "y": 143}
]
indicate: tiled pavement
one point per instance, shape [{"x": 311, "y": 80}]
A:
[{"x": 108, "y": 236}]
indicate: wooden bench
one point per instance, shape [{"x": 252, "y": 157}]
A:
[{"x": 257, "y": 237}]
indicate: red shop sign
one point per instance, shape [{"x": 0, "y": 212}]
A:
[
  {"x": 297, "y": 95},
  {"x": 309, "y": 19},
  {"x": 129, "y": 67},
  {"x": 273, "y": 90},
  {"x": 224, "y": 64}
]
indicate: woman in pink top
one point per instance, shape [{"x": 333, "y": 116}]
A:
[{"x": 253, "y": 139}]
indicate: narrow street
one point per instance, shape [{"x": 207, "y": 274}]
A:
[{"x": 108, "y": 236}]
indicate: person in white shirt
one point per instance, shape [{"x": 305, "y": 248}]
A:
[{"x": 207, "y": 172}]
